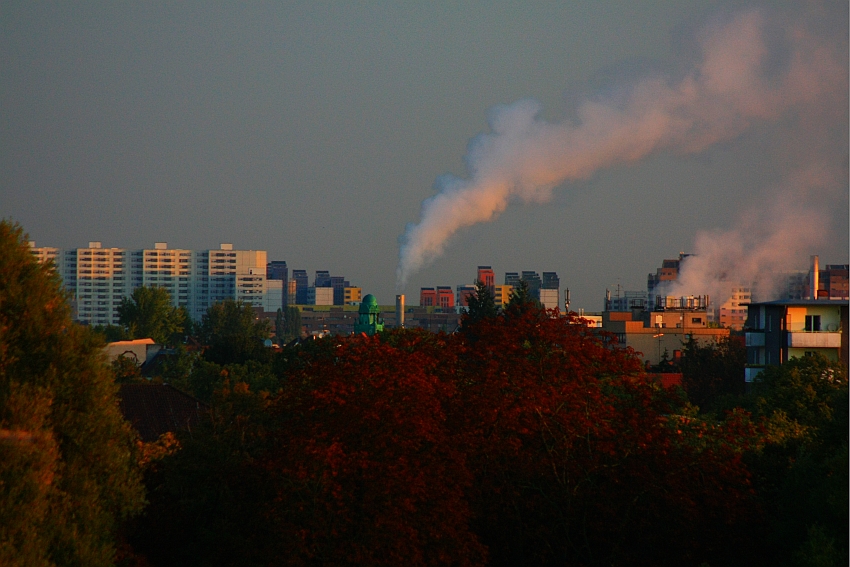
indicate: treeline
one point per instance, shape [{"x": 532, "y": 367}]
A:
[{"x": 521, "y": 440}]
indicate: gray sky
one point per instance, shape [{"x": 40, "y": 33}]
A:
[{"x": 315, "y": 131}]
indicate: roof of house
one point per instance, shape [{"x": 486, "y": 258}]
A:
[
  {"x": 132, "y": 342},
  {"x": 154, "y": 409}
]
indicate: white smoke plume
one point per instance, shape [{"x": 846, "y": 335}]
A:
[
  {"x": 739, "y": 79},
  {"x": 765, "y": 244}
]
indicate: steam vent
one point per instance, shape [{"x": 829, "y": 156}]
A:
[{"x": 369, "y": 321}]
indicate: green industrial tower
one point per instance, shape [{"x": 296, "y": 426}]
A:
[{"x": 369, "y": 321}]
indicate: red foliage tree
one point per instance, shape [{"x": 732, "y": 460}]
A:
[
  {"x": 366, "y": 473},
  {"x": 524, "y": 440},
  {"x": 579, "y": 458}
]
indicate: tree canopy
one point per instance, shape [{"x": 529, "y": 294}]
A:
[
  {"x": 232, "y": 333},
  {"x": 480, "y": 305},
  {"x": 521, "y": 301},
  {"x": 68, "y": 472},
  {"x": 148, "y": 313},
  {"x": 538, "y": 443}
]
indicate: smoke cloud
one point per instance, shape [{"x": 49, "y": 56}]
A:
[
  {"x": 766, "y": 242},
  {"x": 750, "y": 68}
]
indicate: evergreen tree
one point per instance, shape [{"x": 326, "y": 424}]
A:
[
  {"x": 293, "y": 322},
  {"x": 521, "y": 301},
  {"x": 279, "y": 326},
  {"x": 68, "y": 472},
  {"x": 481, "y": 304}
]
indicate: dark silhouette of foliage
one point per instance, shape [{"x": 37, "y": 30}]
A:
[
  {"x": 126, "y": 370},
  {"x": 293, "y": 322},
  {"x": 579, "y": 458},
  {"x": 233, "y": 334},
  {"x": 539, "y": 443},
  {"x": 522, "y": 302},
  {"x": 480, "y": 305},
  {"x": 112, "y": 333},
  {"x": 68, "y": 471},
  {"x": 206, "y": 499},
  {"x": 714, "y": 370},
  {"x": 802, "y": 473}
]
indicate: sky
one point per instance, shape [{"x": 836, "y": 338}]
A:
[{"x": 403, "y": 144}]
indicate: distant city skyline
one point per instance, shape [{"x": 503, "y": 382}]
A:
[{"x": 317, "y": 134}]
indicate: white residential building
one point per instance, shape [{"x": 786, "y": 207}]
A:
[{"x": 98, "y": 278}]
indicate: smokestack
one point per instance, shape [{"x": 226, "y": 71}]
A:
[
  {"x": 814, "y": 277},
  {"x": 399, "y": 311}
]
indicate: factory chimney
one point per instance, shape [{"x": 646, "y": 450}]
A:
[
  {"x": 399, "y": 311},
  {"x": 814, "y": 277}
]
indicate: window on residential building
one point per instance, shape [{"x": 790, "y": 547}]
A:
[{"x": 813, "y": 322}]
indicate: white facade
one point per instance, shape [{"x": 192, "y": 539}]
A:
[{"x": 99, "y": 278}]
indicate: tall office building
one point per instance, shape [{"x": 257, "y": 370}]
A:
[
  {"x": 323, "y": 278},
  {"x": 534, "y": 282},
  {"x": 546, "y": 289},
  {"x": 301, "y": 286},
  {"x": 278, "y": 272}
]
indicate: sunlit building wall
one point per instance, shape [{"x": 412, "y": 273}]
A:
[
  {"x": 98, "y": 278},
  {"x": 353, "y": 295},
  {"x": 502, "y": 294}
]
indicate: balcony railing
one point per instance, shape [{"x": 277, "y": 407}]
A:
[{"x": 814, "y": 339}]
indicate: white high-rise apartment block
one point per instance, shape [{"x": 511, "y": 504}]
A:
[{"x": 98, "y": 278}]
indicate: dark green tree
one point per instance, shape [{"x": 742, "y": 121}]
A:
[
  {"x": 68, "y": 472},
  {"x": 802, "y": 473},
  {"x": 148, "y": 313},
  {"x": 233, "y": 334},
  {"x": 521, "y": 301},
  {"x": 480, "y": 305},
  {"x": 713, "y": 370},
  {"x": 279, "y": 326},
  {"x": 293, "y": 322},
  {"x": 112, "y": 333}
]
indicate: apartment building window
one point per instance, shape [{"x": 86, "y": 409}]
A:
[{"x": 812, "y": 323}]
